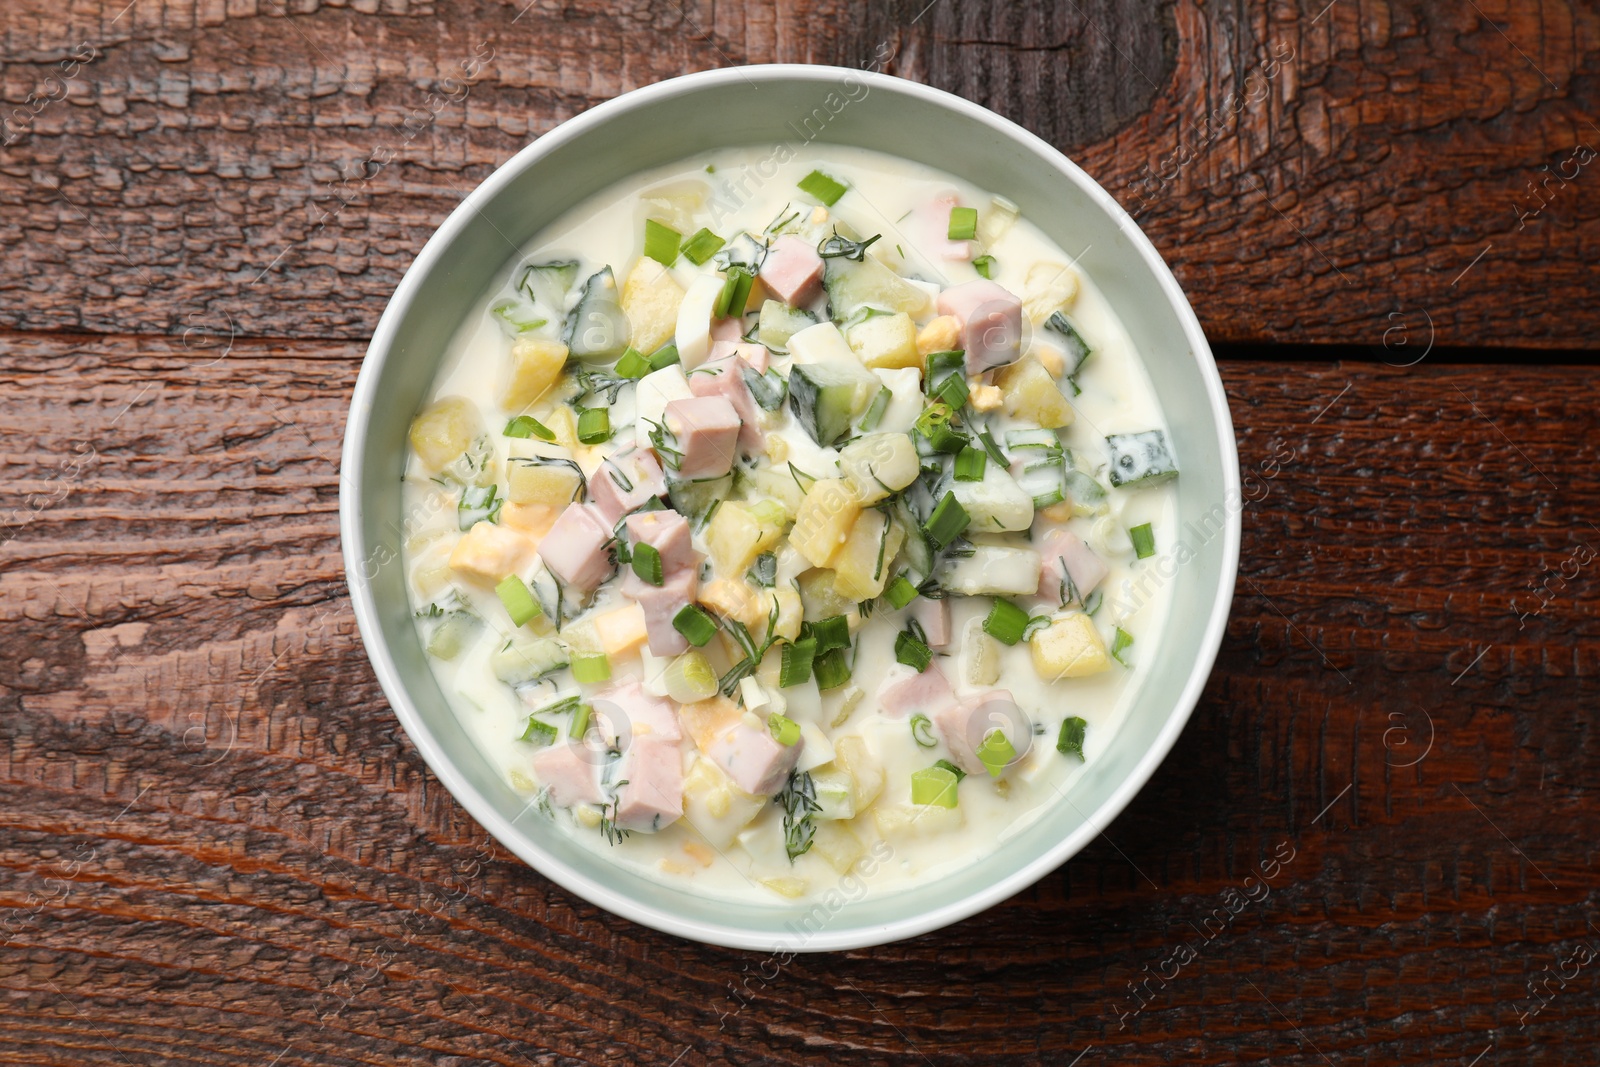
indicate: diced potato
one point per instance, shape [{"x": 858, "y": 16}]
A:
[
  {"x": 1070, "y": 647},
  {"x": 774, "y": 483},
  {"x": 732, "y": 598},
  {"x": 491, "y": 552},
  {"x": 707, "y": 720},
  {"x": 1049, "y": 288},
  {"x": 1028, "y": 392},
  {"x": 737, "y": 534},
  {"x": 943, "y": 334},
  {"x": 980, "y": 654},
  {"x": 838, "y": 844},
  {"x": 790, "y": 612},
  {"x": 834, "y": 788},
  {"x": 621, "y": 631},
  {"x": 555, "y": 485},
  {"x": 559, "y": 421},
  {"x": 444, "y": 430},
  {"x": 650, "y": 299},
  {"x": 851, "y": 756},
  {"x": 920, "y": 820},
  {"x": 879, "y": 464},
  {"x": 886, "y": 341},
  {"x": 536, "y": 364},
  {"x": 716, "y": 807},
  {"x": 820, "y": 598},
  {"x": 786, "y": 886},
  {"x": 823, "y": 523},
  {"x": 861, "y": 566},
  {"x": 535, "y": 519}
]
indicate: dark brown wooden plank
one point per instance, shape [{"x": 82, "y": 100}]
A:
[
  {"x": 219, "y": 848},
  {"x": 1325, "y": 173}
]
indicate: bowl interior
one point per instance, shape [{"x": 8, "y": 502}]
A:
[{"x": 791, "y": 105}]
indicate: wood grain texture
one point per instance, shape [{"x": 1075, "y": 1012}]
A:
[
  {"x": 271, "y": 166},
  {"x": 218, "y": 848}
]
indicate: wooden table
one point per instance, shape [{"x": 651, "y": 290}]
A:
[{"x": 1375, "y": 842}]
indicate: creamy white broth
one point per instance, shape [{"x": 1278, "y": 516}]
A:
[{"x": 1116, "y": 397}]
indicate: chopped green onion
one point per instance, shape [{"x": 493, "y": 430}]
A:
[
  {"x": 901, "y": 592},
  {"x": 689, "y": 678},
  {"x": 970, "y": 464},
  {"x": 519, "y": 602},
  {"x": 995, "y": 751},
  {"x": 831, "y": 633},
  {"x": 922, "y": 731},
  {"x": 586, "y": 670},
  {"x": 784, "y": 729},
  {"x": 528, "y": 426},
  {"x": 735, "y": 291},
  {"x": 832, "y": 669},
  {"x": 1144, "y": 540},
  {"x": 580, "y": 722},
  {"x": 594, "y": 426},
  {"x": 795, "y": 667},
  {"x": 934, "y": 425},
  {"x": 1119, "y": 644},
  {"x": 824, "y": 188},
  {"x": 1006, "y": 622},
  {"x": 963, "y": 224},
  {"x": 935, "y": 786},
  {"x": 986, "y": 439},
  {"x": 875, "y": 410},
  {"x": 661, "y": 242},
  {"x": 1070, "y": 743},
  {"x": 701, "y": 247},
  {"x": 539, "y": 733},
  {"x": 951, "y": 767},
  {"x": 665, "y": 357},
  {"x": 948, "y": 520},
  {"x": 646, "y": 563},
  {"x": 912, "y": 651},
  {"x": 695, "y": 625},
  {"x": 941, "y": 365},
  {"x": 633, "y": 364},
  {"x": 953, "y": 391},
  {"x": 984, "y": 265},
  {"x": 507, "y": 312}
]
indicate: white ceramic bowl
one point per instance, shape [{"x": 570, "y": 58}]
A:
[{"x": 763, "y": 105}]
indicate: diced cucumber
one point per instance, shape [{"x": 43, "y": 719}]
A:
[
  {"x": 452, "y": 633},
  {"x": 1033, "y": 439},
  {"x": 826, "y": 398},
  {"x": 1140, "y": 459},
  {"x": 767, "y": 389},
  {"x": 853, "y": 285},
  {"x": 547, "y": 591},
  {"x": 1044, "y": 481},
  {"x": 991, "y": 570},
  {"x": 997, "y": 504},
  {"x": 694, "y": 498},
  {"x": 835, "y": 794},
  {"x": 743, "y": 251},
  {"x": 1087, "y": 495},
  {"x": 916, "y": 555},
  {"x": 546, "y": 284},
  {"x": 526, "y": 659},
  {"x": 598, "y": 331},
  {"x": 779, "y": 322},
  {"x": 1078, "y": 350}
]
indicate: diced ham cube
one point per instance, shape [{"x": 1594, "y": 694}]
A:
[
  {"x": 934, "y": 618},
  {"x": 725, "y": 378},
  {"x": 933, "y": 221},
  {"x": 569, "y": 772},
  {"x": 756, "y": 761},
  {"x": 707, "y": 433},
  {"x": 577, "y": 549},
  {"x": 727, "y": 330},
  {"x": 792, "y": 270},
  {"x": 991, "y": 318},
  {"x": 752, "y": 353},
  {"x": 624, "y": 482},
  {"x": 668, "y": 533},
  {"x": 661, "y": 603},
  {"x": 907, "y": 692},
  {"x": 963, "y": 726},
  {"x": 627, "y": 714},
  {"x": 652, "y": 797},
  {"x": 1064, "y": 549}
]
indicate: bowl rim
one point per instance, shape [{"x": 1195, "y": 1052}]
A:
[{"x": 352, "y": 522}]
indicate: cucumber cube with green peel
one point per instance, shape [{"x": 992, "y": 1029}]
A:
[{"x": 1140, "y": 459}]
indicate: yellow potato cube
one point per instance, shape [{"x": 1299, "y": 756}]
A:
[
  {"x": 826, "y": 515},
  {"x": 735, "y": 535},
  {"x": 1070, "y": 647},
  {"x": 714, "y": 806},
  {"x": 886, "y": 341},
  {"x": 621, "y": 631},
  {"x": 819, "y": 597},
  {"x": 851, "y": 756},
  {"x": 445, "y": 429},
  {"x": 790, "y": 612},
  {"x": 1028, "y": 392},
  {"x": 491, "y": 552},
  {"x": 650, "y": 299},
  {"x": 861, "y": 566},
  {"x": 555, "y": 485},
  {"x": 838, "y": 844},
  {"x": 536, "y": 364},
  {"x": 879, "y": 464},
  {"x": 707, "y": 720},
  {"x": 560, "y": 421},
  {"x": 732, "y": 598}
]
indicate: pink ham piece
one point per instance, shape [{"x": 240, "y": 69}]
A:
[
  {"x": 707, "y": 433},
  {"x": 661, "y": 603},
  {"x": 626, "y": 714},
  {"x": 638, "y": 471},
  {"x": 729, "y": 330},
  {"x": 963, "y": 725},
  {"x": 792, "y": 270},
  {"x": 569, "y": 772},
  {"x": 668, "y": 533},
  {"x": 903, "y": 694},
  {"x": 652, "y": 796},
  {"x": 933, "y": 220},
  {"x": 756, "y": 761},
  {"x": 577, "y": 547},
  {"x": 1062, "y": 548},
  {"x": 934, "y": 618},
  {"x": 753, "y": 354},
  {"x": 991, "y": 319},
  {"x": 725, "y": 378}
]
